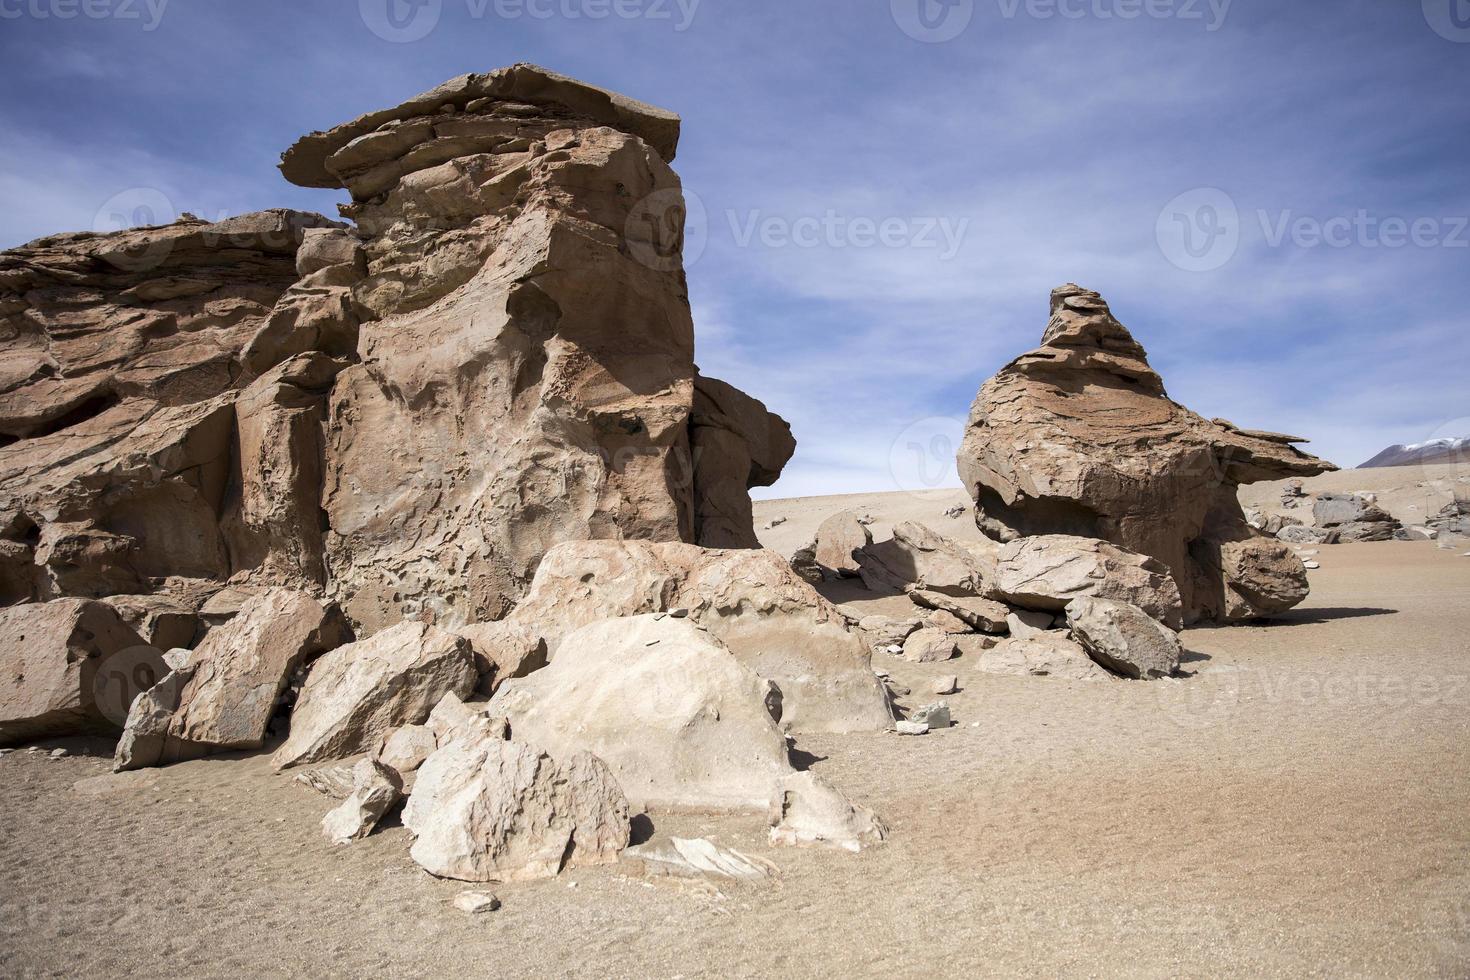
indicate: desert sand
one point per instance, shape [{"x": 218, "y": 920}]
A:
[{"x": 1297, "y": 803}]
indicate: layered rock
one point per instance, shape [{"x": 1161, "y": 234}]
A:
[
  {"x": 1079, "y": 437},
  {"x": 1048, "y": 571},
  {"x": 751, "y": 601},
  {"x": 527, "y": 354}
]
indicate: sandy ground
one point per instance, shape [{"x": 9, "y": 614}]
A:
[{"x": 1299, "y": 804}]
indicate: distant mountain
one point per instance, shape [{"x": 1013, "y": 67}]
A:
[{"x": 1433, "y": 451}]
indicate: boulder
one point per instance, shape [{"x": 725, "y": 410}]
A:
[
  {"x": 1080, "y": 438},
  {"x": 750, "y": 601},
  {"x": 985, "y": 615},
  {"x": 1047, "y": 572},
  {"x": 1124, "y": 638},
  {"x": 886, "y": 631},
  {"x": 917, "y": 557},
  {"x": 705, "y": 737},
  {"x": 55, "y": 657},
  {"x": 503, "y": 651},
  {"x": 735, "y": 445},
  {"x": 804, "y": 563},
  {"x": 145, "y": 740},
  {"x": 1262, "y": 577},
  {"x": 935, "y": 716},
  {"x": 1301, "y": 534},
  {"x": 1028, "y": 622},
  {"x": 376, "y": 789},
  {"x": 1334, "y": 509},
  {"x": 452, "y": 719},
  {"x": 358, "y": 693},
  {"x": 809, "y": 813},
  {"x": 404, "y": 749},
  {"x": 1046, "y": 655},
  {"x": 484, "y": 809},
  {"x": 929, "y": 645},
  {"x": 161, "y": 621},
  {"x": 838, "y": 538},
  {"x": 948, "y": 621}
]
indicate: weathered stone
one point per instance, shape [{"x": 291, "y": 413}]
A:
[
  {"x": 1022, "y": 623},
  {"x": 404, "y": 749},
  {"x": 804, "y": 563},
  {"x": 161, "y": 621},
  {"x": 1301, "y": 534},
  {"x": 886, "y": 631},
  {"x": 503, "y": 651},
  {"x": 948, "y": 684},
  {"x": 838, "y": 537},
  {"x": 476, "y": 903},
  {"x": 705, "y": 736},
  {"x": 928, "y": 646},
  {"x": 51, "y": 654},
  {"x": 145, "y": 739},
  {"x": 916, "y": 557},
  {"x": 947, "y": 621},
  {"x": 935, "y": 715},
  {"x": 484, "y": 809},
  {"x": 1080, "y": 438},
  {"x": 699, "y": 858},
  {"x": 1124, "y": 638},
  {"x": 376, "y": 789},
  {"x": 750, "y": 601},
  {"x": 1048, "y": 571},
  {"x": 735, "y": 445},
  {"x": 808, "y": 812},
  {"x": 1047, "y": 655},
  {"x": 358, "y": 693},
  {"x": 985, "y": 615}
]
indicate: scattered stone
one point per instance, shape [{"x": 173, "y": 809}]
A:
[
  {"x": 775, "y": 522},
  {"x": 804, "y": 563},
  {"x": 1080, "y": 438},
  {"x": 1124, "y": 638},
  {"x": 839, "y": 537},
  {"x": 58, "y": 753},
  {"x": 376, "y": 789},
  {"x": 929, "y": 645},
  {"x": 947, "y": 684},
  {"x": 1047, "y": 655},
  {"x": 947, "y": 621},
  {"x": 358, "y": 693},
  {"x": 706, "y": 734},
  {"x": 484, "y": 809},
  {"x": 935, "y": 716},
  {"x": 1311, "y": 565},
  {"x": 1049, "y": 571},
  {"x": 807, "y": 812},
  {"x": 476, "y": 903},
  {"x": 911, "y": 728},
  {"x": 956, "y": 512}
]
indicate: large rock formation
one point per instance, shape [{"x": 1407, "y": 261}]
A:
[
  {"x": 1079, "y": 437},
  {"x": 527, "y": 354}
]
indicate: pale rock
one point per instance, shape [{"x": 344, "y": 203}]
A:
[
  {"x": 1047, "y": 572},
  {"x": 917, "y": 557},
  {"x": 503, "y": 651},
  {"x": 699, "y": 858},
  {"x": 705, "y": 737},
  {"x": 948, "y": 684},
  {"x": 1048, "y": 655},
  {"x": 985, "y": 615},
  {"x": 807, "y": 812},
  {"x": 947, "y": 621},
  {"x": 1124, "y": 638},
  {"x": 1028, "y": 622},
  {"x": 935, "y": 715},
  {"x": 911, "y": 728},
  {"x": 359, "y": 692},
  {"x": 838, "y": 537},
  {"x": 476, "y": 903},
  {"x": 453, "y": 718},
  {"x": 484, "y": 809},
  {"x": 929, "y": 645},
  {"x": 404, "y": 749},
  {"x": 376, "y": 789}
]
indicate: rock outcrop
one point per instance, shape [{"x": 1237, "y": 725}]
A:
[
  {"x": 751, "y": 601},
  {"x": 678, "y": 720},
  {"x": 1079, "y": 437}
]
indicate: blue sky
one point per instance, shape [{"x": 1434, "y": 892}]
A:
[{"x": 1272, "y": 194}]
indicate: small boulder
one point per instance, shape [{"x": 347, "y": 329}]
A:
[
  {"x": 809, "y": 813},
  {"x": 404, "y": 749},
  {"x": 804, "y": 563},
  {"x": 1029, "y": 622},
  {"x": 886, "y": 631},
  {"x": 985, "y": 615},
  {"x": 484, "y": 809},
  {"x": 947, "y": 621},
  {"x": 1048, "y": 655},
  {"x": 358, "y": 693},
  {"x": 929, "y": 645},
  {"x": 935, "y": 715},
  {"x": 838, "y": 537},
  {"x": 917, "y": 557},
  {"x": 948, "y": 684},
  {"x": 1123, "y": 638},
  {"x": 476, "y": 903},
  {"x": 1048, "y": 571},
  {"x": 699, "y": 858},
  {"x": 376, "y": 789}
]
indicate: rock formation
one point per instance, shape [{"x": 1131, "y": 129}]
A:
[{"x": 1079, "y": 437}]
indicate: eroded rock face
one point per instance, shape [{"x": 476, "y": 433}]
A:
[
  {"x": 1079, "y": 437},
  {"x": 751, "y": 601},
  {"x": 701, "y": 732},
  {"x": 527, "y": 354}
]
